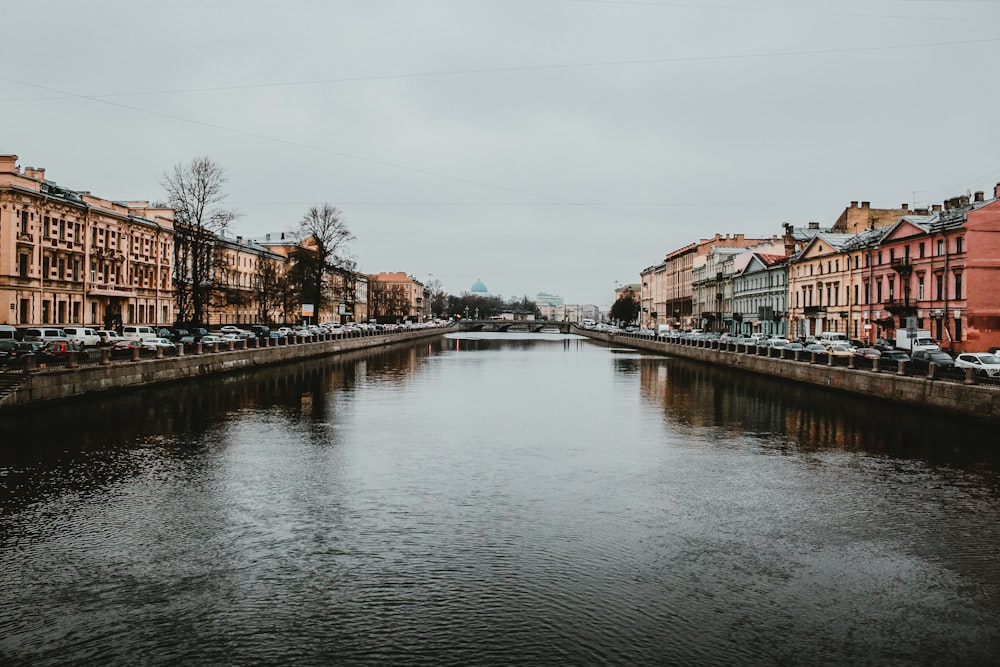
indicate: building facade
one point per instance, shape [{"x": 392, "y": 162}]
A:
[{"x": 68, "y": 257}]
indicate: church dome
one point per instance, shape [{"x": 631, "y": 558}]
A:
[{"x": 479, "y": 287}]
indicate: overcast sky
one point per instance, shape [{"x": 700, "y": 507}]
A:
[{"x": 543, "y": 145}]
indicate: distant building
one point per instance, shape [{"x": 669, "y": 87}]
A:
[
  {"x": 479, "y": 288},
  {"x": 546, "y": 299}
]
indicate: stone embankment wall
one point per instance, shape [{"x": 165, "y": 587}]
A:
[
  {"x": 974, "y": 401},
  {"x": 63, "y": 384}
]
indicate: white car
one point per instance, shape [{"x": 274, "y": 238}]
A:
[
  {"x": 154, "y": 343},
  {"x": 986, "y": 363}
]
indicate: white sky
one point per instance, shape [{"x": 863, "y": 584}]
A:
[{"x": 544, "y": 145}]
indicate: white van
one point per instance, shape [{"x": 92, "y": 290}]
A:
[
  {"x": 83, "y": 335},
  {"x": 136, "y": 332},
  {"x": 7, "y": 332},
  {"x": 43, "y": 334},
  {"x": 831, "y": 337}
]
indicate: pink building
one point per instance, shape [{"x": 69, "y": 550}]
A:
[{"x": 939, "y": 269}]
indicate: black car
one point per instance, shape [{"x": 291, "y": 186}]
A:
[
  {"x": 883, "y": 344},
  {"x": 14, "y": 352},
  {"x": 923, "y": 359}
]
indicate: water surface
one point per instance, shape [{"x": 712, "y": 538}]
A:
[{"x": 497, "y": 499}]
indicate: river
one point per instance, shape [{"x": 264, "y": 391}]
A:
[{"x": 496, "y": 499}]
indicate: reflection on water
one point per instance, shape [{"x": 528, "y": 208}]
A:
[
  {"x": 808, "y": 418},
  {"x": 496, "y": 499}
]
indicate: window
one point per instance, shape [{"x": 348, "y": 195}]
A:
[
  {"x": 939, "y": 286},
  {"x": 879, "y": 257},
  {"x": 856, "y": 287},
  {"x": 62, "y": 230},
  {"x": 878, "y": 292},
  {"x": 940, "y": 247},
  {"x": 958, "y": 244},
  {"x": 892, "y": 290},
  {"x": 22, "y": 265},
  {"x": 920, "y": 288},
  {"x": 958, "y": 285},
  {"x": 24, "y": 222},
  {"x": 920, "y": 250},
  {"x": 45, "y": 269},
  {"x": 45, "y": 227},
  {"x": 892, "y": 255}
]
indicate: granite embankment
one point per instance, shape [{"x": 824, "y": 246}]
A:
[
  {"x": 42, "y": 386},
  {"x": 966, "y": 397}
]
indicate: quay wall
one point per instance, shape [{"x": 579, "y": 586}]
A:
[
  {"x": 974, "y": 401},
  {"x": 64, "y": 384}
]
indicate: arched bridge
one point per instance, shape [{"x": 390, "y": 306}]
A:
[{"x": 514, "y": 326}]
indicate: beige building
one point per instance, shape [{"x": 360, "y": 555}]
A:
[
  {"x": 396, "y": 296},
  {"x": 68, "y": 257}
]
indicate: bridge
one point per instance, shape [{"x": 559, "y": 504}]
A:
[{"x": 515, "y": 326}]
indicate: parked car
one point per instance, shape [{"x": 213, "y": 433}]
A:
[
  {"x": 883, "y": 344},
  {"x": 895, "y": 355},
  {"x": 58, "y": 350},
  {"x": 158, "y": 343},
  {"x": 840, "y": 350},
  {"x": 260, "y": 330},
  {"x": 137, "y": 332},
  {"x": 108, "y": 336},
  {"x": 229, "y": 328},
  {"x": 14, "y": 352},
  {"x": 124, "y": 346},
  {"x": 868, "y": 353},
  {"x": 818, "y": 348},
  {"x": 987, "y": 364},
  {"x": 83, "y": 335},
  {"x": 924, "y": 358},
  {"x": 43, "y": 334}
]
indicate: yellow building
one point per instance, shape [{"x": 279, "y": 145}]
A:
[{"x": 68, "y": 257}]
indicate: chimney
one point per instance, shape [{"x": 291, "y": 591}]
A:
[
  {"x": 282, "y": 236},
  {"x": 40, "y": 174},
  {"x": 813, "y": 225},
  {"x": 936, "y": 208},
  {"x": 978, "y": 196},
  {"x": 865, "y": 204},
  {"x": 8, "y": 164},
  {"x": 239, "y": 239},
  {"x": 854, "y": 204},
  {"x": 996, "y": 191},
  {"x": 267, "y": 237},
  {"x": 905, "y": 206}
]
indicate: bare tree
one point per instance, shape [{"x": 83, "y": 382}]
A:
[
  {"x": 268, "y": 289},
  {"x": 195, "y": 192},
  {"x": 321, "y": 256}
]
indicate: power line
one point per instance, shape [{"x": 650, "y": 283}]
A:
[{"x": 498, "y": 70}]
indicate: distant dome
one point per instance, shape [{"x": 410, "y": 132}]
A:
[{"x": 479, "y": 287}]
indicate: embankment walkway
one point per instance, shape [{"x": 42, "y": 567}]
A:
[{"x": 37, "y": 386}]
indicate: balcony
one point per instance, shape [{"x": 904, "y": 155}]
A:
[
  {"x": 902, "y": 265},
  {"x": 899, "y": 307},
  {"x": 812, "y": 310}
]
